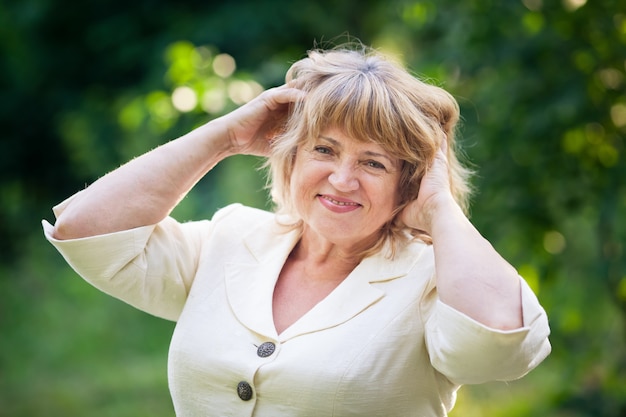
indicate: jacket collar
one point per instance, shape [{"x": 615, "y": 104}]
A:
[{"x": 250, "y": 284}]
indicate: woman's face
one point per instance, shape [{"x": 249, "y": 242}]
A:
[{"x": 345, "y": 190}]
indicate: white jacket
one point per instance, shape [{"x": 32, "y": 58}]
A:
[{"x": 381, "y": 344}]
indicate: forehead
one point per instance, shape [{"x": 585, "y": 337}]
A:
[
  {"x": 341, "y": 139},
  {"x": 346, "y": 143}
]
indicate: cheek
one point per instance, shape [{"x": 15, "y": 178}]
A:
[
  {"x": 302, "y": 181},
  {"x": 309, "y": 172},
  {"x": 391, "y": 194}
]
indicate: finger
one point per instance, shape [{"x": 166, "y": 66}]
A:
[
  {"x": 444, "y": 144},
  {"x": 298, "y": 83},
  {"x": 442, "y": 152},
  {"x": 285, "y": 94}
]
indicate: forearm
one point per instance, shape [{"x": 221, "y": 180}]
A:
[
  {"x": 471, "y": 276},
  {"x": 146, "y": 189}
]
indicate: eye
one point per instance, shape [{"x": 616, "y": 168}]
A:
[
  {"x": 322, "y": 149},
  {"x": 375, "y": 164}
]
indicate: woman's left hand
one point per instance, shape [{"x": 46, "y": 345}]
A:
[
  {"x": 434, "y": 193},
  {"x": 471, "y": 276}
]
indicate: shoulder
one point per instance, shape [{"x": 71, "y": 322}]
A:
[
  {"x": 418, "y": 260},
  {"x": 239, "y": 218},
  {"x": 238, "y": 210},
  {"x": 414, "y": 253}
]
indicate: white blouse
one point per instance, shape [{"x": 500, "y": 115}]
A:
[{"x": 381, "y": 344}]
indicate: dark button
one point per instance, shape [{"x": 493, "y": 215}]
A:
[
  {"x": 266, "y": 349},
  {"x": 244, "y": 390}
]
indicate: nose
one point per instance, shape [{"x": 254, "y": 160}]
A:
[{"x": 344, "y": 177}]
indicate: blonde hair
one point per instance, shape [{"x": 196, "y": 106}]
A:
[{"x": 370, "y": 98}]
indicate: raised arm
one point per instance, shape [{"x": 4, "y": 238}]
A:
[
  {"x": 471, "y": 276},
  {"x": 146, "y": 189}
]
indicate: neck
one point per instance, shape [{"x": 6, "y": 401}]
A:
[{"x": 316, "y": 250}]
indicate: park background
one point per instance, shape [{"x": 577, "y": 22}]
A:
[{"x": 87, "y": 85}]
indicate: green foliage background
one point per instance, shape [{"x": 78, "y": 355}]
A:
[{"x": 85, "y": 86}]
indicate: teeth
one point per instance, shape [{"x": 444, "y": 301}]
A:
[{"x": 341, "y": 203}]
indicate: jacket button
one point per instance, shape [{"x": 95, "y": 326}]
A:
[
  {"x": 266, "y": 349},
  {"x": 244, "y": 390}
]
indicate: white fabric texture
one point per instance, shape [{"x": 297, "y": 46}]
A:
[{"x": 381, "y": 344}]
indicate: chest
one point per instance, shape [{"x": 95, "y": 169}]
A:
[
  {"x": 356, "y": 349},
  {"x": 300, "y": 288},
  {"x": 338, "y": 370}
]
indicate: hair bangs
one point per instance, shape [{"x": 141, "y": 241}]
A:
[{"x": 370, "y": 99}]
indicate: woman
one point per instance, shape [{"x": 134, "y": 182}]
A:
[{"x": 367, "y": 293}]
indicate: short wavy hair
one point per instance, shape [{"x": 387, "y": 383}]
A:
[{"x": 370, "y": 98}]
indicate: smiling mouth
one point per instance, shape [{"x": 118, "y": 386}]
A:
[{"x": 339, "y": 203}]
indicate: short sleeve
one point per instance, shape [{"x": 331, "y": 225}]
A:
[
  {"x": 468, "y": 352},
  {"x": 150, "y": 267}
]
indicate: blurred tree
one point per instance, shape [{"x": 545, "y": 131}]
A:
[
  {"x": 542, "y": 87},
  {"x": 64, "y": 66},
  {"x": 86, "y": 86}
]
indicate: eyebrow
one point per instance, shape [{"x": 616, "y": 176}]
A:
[{"x": 335, "y": 142}]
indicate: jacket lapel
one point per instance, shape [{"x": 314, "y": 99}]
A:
[{"x": 250, "y": 284}]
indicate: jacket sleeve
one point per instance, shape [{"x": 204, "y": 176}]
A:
[
  {"x": 150, "y": 267},
  {"x": 468, "y": 352}
]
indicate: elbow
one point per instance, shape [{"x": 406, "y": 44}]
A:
[
  {"x": 63, "y": 230},
  {"x": 68, "y": 227},
  {"x": 504, "y": 319},
  {"x": 496, "y": 312},
  {"x": 75, "y": 221}
]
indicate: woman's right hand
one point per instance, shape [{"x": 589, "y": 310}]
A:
[
  {"x": 146, "y": 189},
  {"x": 252, "y": 126}
]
